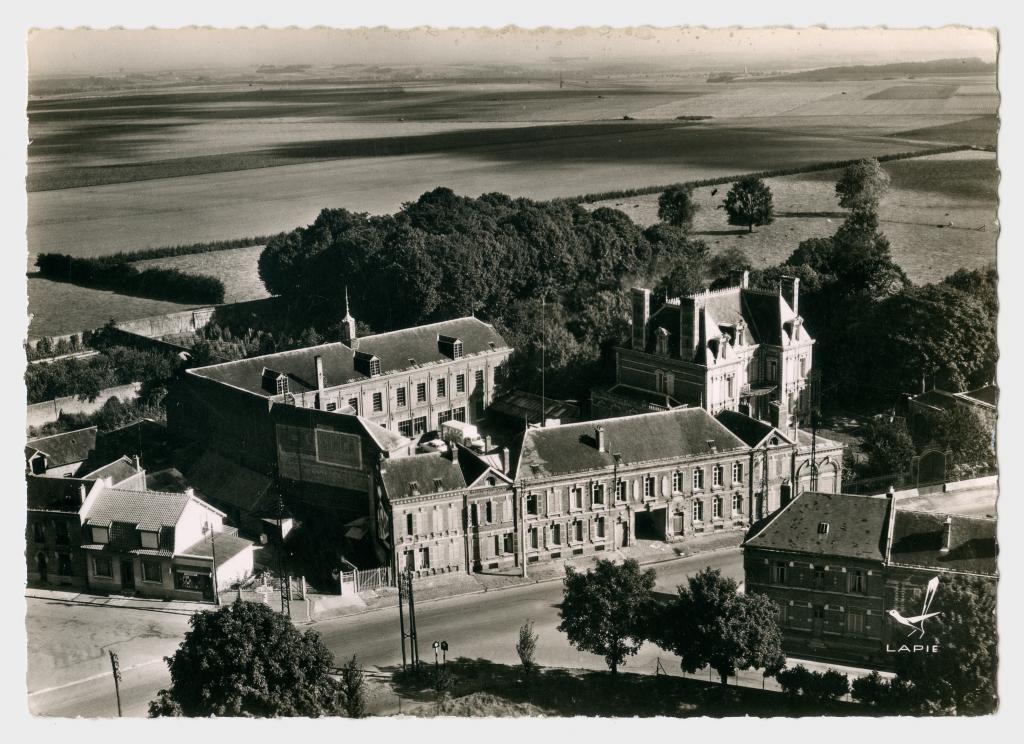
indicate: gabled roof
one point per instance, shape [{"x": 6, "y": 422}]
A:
[
  {"x": 419, "y": 475},
  {"x": 917, "y": 541},
  {"x": 988, "y": 395},
  {"x": 147, "y": 508},
  {"x": 857, "y": 526},
  {"x": 118, "y": 471},
  {"x": 387, "y": 440},
  {"x": 645, "y": 437},
  {"x": 475, "y": 468},
  {"x": 64, "y": 448},
  {"x": 56, "y": 494},
  {"x": 752, "y": 431},
  {"x": 394, "y": 350}
]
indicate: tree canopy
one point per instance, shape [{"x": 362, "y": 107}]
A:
[
  {"x": 749, "y": 203},
  {"x": 247, "y": 660},
  {"x": 709, "y": 623},
  {"x": 606, "y": 610},
  {"x": 888, "y": 446},
  {"x": 676, "y": 206},
  {"x": 862, "y": 185}
]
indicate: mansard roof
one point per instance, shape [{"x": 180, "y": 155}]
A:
[{"x": 398, "y": 351}]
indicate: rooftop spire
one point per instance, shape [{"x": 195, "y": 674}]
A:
[{"x": 348, "y": 323}]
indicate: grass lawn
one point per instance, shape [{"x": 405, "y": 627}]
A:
[{"x": 483, "y": 688}]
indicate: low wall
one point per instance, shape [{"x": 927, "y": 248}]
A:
[
  {"x": 50, "y": 410},
  {"x": 964, "y": 485},
  {"x": 186, "y": 321}
]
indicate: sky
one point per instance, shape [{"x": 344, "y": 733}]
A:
[{"x": 96, "y": 51}]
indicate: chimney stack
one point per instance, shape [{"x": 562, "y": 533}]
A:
[
  {"x": 190, "y": 492},
  {"x": 138, "y": 465},
  {"x": 319, "y": 373},
  {"x": 505, "y": 464},
  {"x": 790, "y": 289},
  {"x": 641, "y": 314},
  {"x": 81, "y": 493},
  {"x": 947, "y": 535},
  {"x": 599, "y": 435}
]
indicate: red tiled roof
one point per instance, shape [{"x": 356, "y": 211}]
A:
[{"x": 153, "y": 508}]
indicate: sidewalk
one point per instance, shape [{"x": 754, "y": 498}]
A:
[
  {"x": 173, "y": 606},
  {"x": 434, "y": 588}
]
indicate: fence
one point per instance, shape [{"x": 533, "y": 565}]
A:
[{"x": 353, "y": 582}]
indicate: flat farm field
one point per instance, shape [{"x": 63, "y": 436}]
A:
[{"x": 939, "y": 215}]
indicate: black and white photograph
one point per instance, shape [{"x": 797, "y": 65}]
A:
[{"x": 444, "y": 372}]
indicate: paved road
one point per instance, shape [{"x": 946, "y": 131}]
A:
[{"x": 475, "y": 626}]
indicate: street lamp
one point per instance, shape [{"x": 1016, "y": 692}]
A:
[{"x": 441, "y": 646}]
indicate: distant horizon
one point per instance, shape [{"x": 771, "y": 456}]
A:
[{"x": 124, "y": 51}]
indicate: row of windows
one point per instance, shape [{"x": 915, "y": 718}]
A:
[
  {"x": 717, "y": 507},
  {"x": 855, "y": 583},
  {"x": 832, "y": 619},
  {"x": 64, "y": 566},
  {"x": 60, "y": 529},
  {"x": 418, "y": 425},
  {"x": 147, "y": 538},
  {"x": 401, "y": 398},
  {"x": 555, "y": 533},
  {"x": 152, "y": 571}
]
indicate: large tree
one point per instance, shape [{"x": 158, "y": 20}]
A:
[
  {"x": 676, "y": 206},
  {"x": 709, "y": 623},
  {"x": 605, "y": 611},
  {"x": 247, "y": 660},
  {"x": 749, "y": 203},
  {"x": 888, "y": 446},
  {"x": 862, "y": 185}
]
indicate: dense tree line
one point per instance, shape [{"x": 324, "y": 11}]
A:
[
  {"x": 119, "y": 275},
  {"x": 549, "y": 274},
  {"x": 86, "y": 378}
]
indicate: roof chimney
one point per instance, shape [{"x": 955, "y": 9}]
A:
[
  {"x": 790, "y": 289},
  {"x": 82, "y": 493},
  {"x": 319, "y": 372},
  {"x": 641, "y": 299},
  {"x": 190, "y": 492},
  {"x": 947, "y": 535},
  {"x": 138, "y": 465},
  {"x": 599, "y": 436},
  {"x": 505, "y": 464}
]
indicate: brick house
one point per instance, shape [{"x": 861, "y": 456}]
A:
[
  {"x": 60, "y": 455},
  {"x": 735, "y": 349},
  {"x": 836, "y": 564},
  {"x": 53, "y": 536}
]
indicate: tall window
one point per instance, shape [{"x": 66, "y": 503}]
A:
[
  {"x": 374, "y": 367},
  {"x": 620, "y": 491},
  {"x": 488, "y": 512},
  {"x": 677, "y": 482},
  {"x": 421, "y": 392},
  {"x": 855, "y": 622},
  {"x": 698, "y": 478},
  {"x": 39, "y": 532},
  {"x": 424, "y": 557},
  {"x": 716, "y": 475},
  {"x": 353, "y": 403},
  {"x": 457, "y": 350},
  {"x": 400, "y": 396},
  {"x": 577, "y": 497},
  {"x": 579, "y": 532},
  {"x": 419, "y": 424},
  {"x": 409, "y": 528},
  {"x": 773, "y": 370},
  {"x": 597, "y": 493},
  {"x": 698, "y": 510},
  {"x": 460, "y": 383},
  {"x": 479, "y": 377},
  {"x": 62, "y": 532},
  {"x": 737, "y": 503},
  {"x": 378, "y": 402},
  {"x": 534, "y": 541},
  {"x": 779, "y": 572},
  {"x": 716, "y": 507},
  {"x": 497, "y": 544},
  {"x": 442, "y": 387},
  {"x": 531, "y": 504},
  {"x": 556, "y": 534},
  {"x": 405, "y": 428},
  {"x": 648, "y": 487},
  {"x": 857, "y": 581},
  {"x": 600, "y": 527},
  {"x": 729, "y": 384},
  {"x": 282, "y": 385}
]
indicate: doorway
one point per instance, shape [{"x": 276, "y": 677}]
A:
[
  {"x": 819, "y": 619},
  {"x": 127, "y": 575},
  {"x": 650, "y": 525},
  {"x": 41, "y": 568}
]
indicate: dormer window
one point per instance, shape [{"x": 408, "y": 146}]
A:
[
  {"x": 438, "y": 485},
  {"x": 822, "y": 528},
  {"x": 450, "y": 345},
  {"x": 100, "y": 535},
  {"x": 282, "y": 384},
  {"x": 661, "y": 341},
  {"x": 414, "y": 488},
  {"x": 150, "y": 539},
  {"x": 275, "y": 382},
  {"x": 366, "y": 363}
]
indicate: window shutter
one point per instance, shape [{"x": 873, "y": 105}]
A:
[{"x": 565, "y": 499}]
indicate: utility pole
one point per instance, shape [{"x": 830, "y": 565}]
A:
[
  {"x": 116, "y": 668},
  {"x": 401, "y": 616},
  {"x": 519, "y": 512},
  {"x": 283, "y": 579},
  {"x": 414, "y": 646},
  {"x": 213, "y": 551}
]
